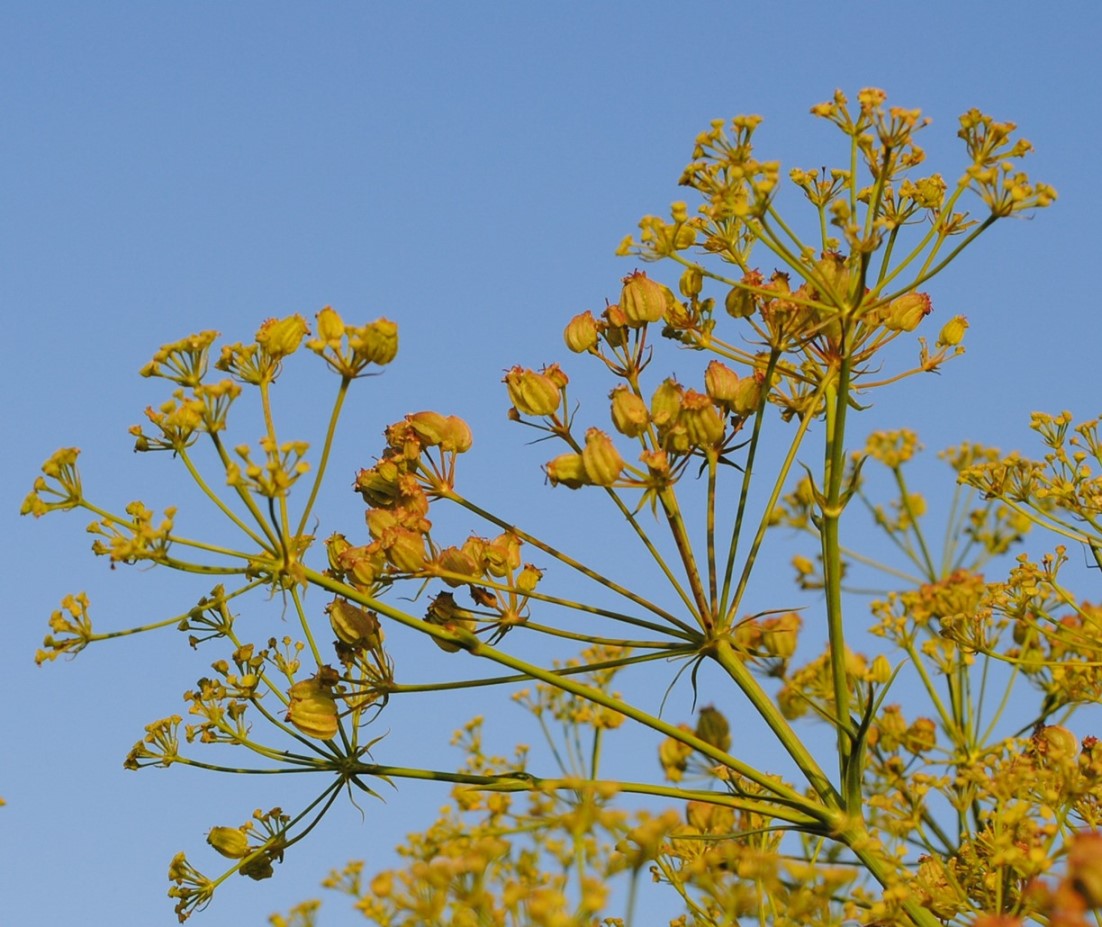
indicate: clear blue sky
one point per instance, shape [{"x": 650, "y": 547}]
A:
[{"x": 467, "y": 170}]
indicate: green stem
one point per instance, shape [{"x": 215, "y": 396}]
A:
[
  {"x": 766, "y": 707},
  {"x": 784, "y": 794},
  {"x": 327, "y": 447},
  {"x": 834, "y": 471}
]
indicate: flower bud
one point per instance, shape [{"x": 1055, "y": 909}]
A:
[
  {"x": 354, "y": 626},
  {"x": 629, "y": 412},
  {"x": 280, "y": 337},
  {"x": 313, "y": 710},
  {"x": 376, "y": 342},
  {"x": 712, "y": 728},
  {"x": 231, "y": 842},
  {"x": 567, "y": 469},
  {"x": 532, "y": 393},
  {"x": 643, "y": 300},
  {"x": 601, "y": 460},
  {"x": 703, "y": 422},
  {"x": 691, "y": 282},
  {"x": 582, "y": 332},
  {"x": 906, "y": 311},
  {"x": 952, "y": 332}
]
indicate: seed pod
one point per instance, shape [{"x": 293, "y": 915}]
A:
[
  {"x": 703, "y": 422},
  {"x": 721, "y": 383},
  {"x": 665, "y": 404},
  {"x": 454, "y": 560},
  {"x": 691, "y": 282},
  {"x": 905, "y": 312},
  {"x": 532, "y": 393},
  {"x": 357, "y": 627},
  {"x": 330, "y": 327},
  {"x": 582, "y": 332},
  {"x": 602, "y": 462},
  {"x": 313, "y": 710},
  {"x": 335, "y": 545},
  {"x": 566, "y": 469},
  {"x": 739, "y": 303},
  {"x": 712, "y": 728},
  {"x": 952, "y": 332},
  {"x": 404, "y": 549},
  {"x": 280, "y": 337},
  {"x": 430, "y": 427},
  {"x": 376, "y": 342},
  {"x": 643, "y": 300},
  {"x": 231, "y": 842},
  {"x": 456, "y": 436},
  {"x": 629, "y": 412}
]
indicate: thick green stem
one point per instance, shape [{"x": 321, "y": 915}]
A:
[
  {"x": 766, "y": 707},
  {"x": 838, "y": 395}
]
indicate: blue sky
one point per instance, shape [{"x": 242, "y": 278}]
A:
[{"x": 467, "y": 170}]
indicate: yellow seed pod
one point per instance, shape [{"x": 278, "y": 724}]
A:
[
  {"x": 952, "y": 332},
  {"x": 528, "y": 579},
  {"x": 582, "y": 332},
  {"x": 354, "y": 626},
  {"x": 691, "y": 282},
  {"x": 313, "y": 710},
  {"x": 280, "y": 337},
  {"x": 532, "y": 393},
  {"x": 674, "y": 757},
  {"x": 643, "y": 300},
  {"x": 566, "y": 469},
  {"x": 629, "y": 412},
  {"x": 330, "y": 327},
  {"x": 231, "y": 842},
  {"x": 335, "y": 545},
  {"x": 703, "y": 422},
  {"x": 456, "y": 437},
  {"x": 739, "y": 303},
  {"x": 666, "y": 402},
  {"x": 712, "y": 728},
  {"x": 376, "y": 342},
  {"x": 906, "y": 312},
  {"x": 721, "y": 383},
  {"x": 601, "y": 460}
]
